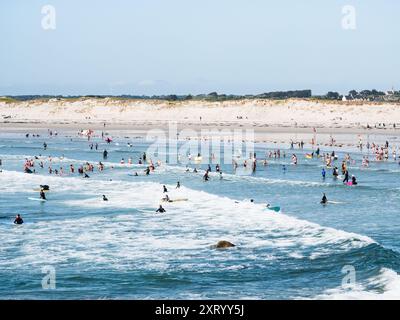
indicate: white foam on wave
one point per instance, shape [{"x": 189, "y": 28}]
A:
[
  {"x": 179, "y": 239},
  {"x": 187, "y": 225}
]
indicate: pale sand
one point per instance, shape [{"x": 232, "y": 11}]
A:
[{"x": 273, "y": 121}]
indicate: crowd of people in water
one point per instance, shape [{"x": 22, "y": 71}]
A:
[{"x": 339, "y": 168}]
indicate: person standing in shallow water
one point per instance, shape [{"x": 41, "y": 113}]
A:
[
  {"x": 324, "y": 199},
  {"x": 346, "y": 176}
]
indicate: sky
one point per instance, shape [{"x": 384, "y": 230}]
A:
[{"x": 190, "y": 47}]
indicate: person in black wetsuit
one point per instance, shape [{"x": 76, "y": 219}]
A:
[
  {"x": 178, "y": 185},
  {"x": 346, "y": 176},
  {"x": 160, "y": 209},
  {"x": 165, "y": 189},
  {"x": 324, "y": 199},
  {"x": 18, "y": 219},
  {"x": 42, "y": 194},
  {"x": 105, "y": 154},
  {"x": 104, "y": 198},
  {"x": 206, "y": 177},
  {"x": 147, "y": 171},
  {"x": 354, "y": 180}
]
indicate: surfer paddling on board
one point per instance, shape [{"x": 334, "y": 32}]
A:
[
  {"x": 324, "y": 199},
  {"x": 160, "y": 209}
]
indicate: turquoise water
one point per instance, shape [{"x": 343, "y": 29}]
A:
[{"x": 122, "y": 249}]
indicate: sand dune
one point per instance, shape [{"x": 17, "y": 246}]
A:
[{"x": 288, "y": 113}]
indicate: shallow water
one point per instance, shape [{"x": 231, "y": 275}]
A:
[{"x": 122, "y": 249}]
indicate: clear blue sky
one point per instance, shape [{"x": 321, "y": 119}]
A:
[{"x": 188, "y": 46}]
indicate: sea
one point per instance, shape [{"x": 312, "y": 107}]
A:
[{"x": 77, "y": 246}]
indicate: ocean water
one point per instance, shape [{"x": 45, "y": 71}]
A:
[{"x": 121, "y": 249}]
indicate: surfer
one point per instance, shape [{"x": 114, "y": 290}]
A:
[
  {"x": 206, "y": 177},
  {"x": 166, "y": 199},
  {"x": 104, "y": 198},
  {"x": 105, "y": 154},
  {"x": 353, "y": 180},
  {"x": 42, "y": 194},
  {"x": 178, "y": 185},
  {"x": 324, "y": 199},
  {"x": 86, "y": 176},
  {"x": 18, "y": 219},
  {"x": 165, "y": 189},
  {"x": 323, "y": 173},
  {"x": 160, "y": 209}
]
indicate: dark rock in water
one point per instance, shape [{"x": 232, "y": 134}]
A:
[{"x": 223, "y": 244}]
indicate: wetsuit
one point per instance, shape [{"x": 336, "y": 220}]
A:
[
  {"x": 160, "y": 210},
  {"x": 18, "y": 220},
  {"x": 324, "y": 200},
  {"x": 346, "y": 176},
  {"x": 42, "y": 195}
]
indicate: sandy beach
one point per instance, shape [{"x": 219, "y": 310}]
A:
[{"x": 276, "y": 121}]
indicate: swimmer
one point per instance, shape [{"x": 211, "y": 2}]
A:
[
  {"x": 18, "y": 219},
  {"x": 160, "y": 209}
]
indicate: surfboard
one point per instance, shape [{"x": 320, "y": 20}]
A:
[
  {"x": 276, "y": 208},
  {"x": 38, "y": 190},
  {"x": 37, "y": 199},
  {"x": 335, "y": 202},
  {"x": 180, "y": 199}
]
